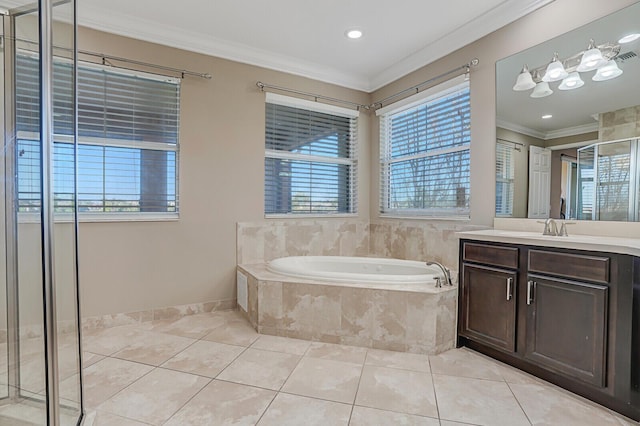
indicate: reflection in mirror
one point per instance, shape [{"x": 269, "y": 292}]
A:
[
  {"x": 608, "y": 172},
  {"x": 556, "y": 99}
]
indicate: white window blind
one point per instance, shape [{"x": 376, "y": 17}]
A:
[
  {"x": 310, "y": 158},
  {"x": 424, "y": 154},
  {"x": 505, "y": 173},
  {"x": 127, "y": 152}
]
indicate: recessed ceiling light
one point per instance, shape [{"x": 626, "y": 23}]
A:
[
  {"x": 629, "y": 38},
  {"x": 546, "y": 116},
  {"x": 353, "y": 34}
]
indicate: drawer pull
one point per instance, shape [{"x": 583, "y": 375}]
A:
[
  {"x": 509, "y": 288},
  {"x": 530, "y": 291}
]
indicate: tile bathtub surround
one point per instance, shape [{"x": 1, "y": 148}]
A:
[
  {"x": 259, "y": 242},
  {"x": 316, "y": 383},
  {"x": 407, "y": 318},
  {"x": 418, "y": 240}
]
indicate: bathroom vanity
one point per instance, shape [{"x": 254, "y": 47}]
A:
[{"x": 559, "y": 308}]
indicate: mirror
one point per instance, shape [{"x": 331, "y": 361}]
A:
[{"x": 555, "y": 154}]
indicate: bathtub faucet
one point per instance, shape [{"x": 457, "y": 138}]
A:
[{"x": 445, "y": 272}]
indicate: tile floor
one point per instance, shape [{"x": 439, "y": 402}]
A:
[{"x": 213, "y": 369}]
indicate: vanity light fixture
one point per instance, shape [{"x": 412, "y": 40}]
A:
[
  {"x": 629, "y": 38},
  {"x": 573, "y": 81},
  {"x": 607, "y": 72},
  {"x": 596, "y": 57},
  {"x": 524, "y": 80},
  {"x": 555, "y": 70},
  {"x": 353, "y": 34},
  {"x": 541, "y": 90},
  {"x": 591, "y": 59}
]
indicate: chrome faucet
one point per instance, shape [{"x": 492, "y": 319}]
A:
[
  {"x": 550, "y": 227},
  {"x": 445, "y": 272}
]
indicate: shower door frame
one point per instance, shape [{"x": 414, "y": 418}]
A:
[{"x": 45, "y": 43}]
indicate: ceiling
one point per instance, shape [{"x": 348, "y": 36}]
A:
[
  {"x": 306, "y": 37},
  {"x": 574, "y": 111}
]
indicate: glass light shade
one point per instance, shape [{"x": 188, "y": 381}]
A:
[
  {"x": 608, "y": 71},
  {"x": 524, "y": 80},
  {"x": 541, "y": 90},
  {"x": 629, "y": 38},
  {"x": 591, "y": 59},
  {"x": 573, "y": 81},
  {"x": 555, "y": 70}
]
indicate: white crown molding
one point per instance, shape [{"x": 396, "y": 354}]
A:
[
  {"x": 123, "y": 24},
  {"x": 142, "y": 29},
  {"x": 520, "y": 129},
  {"x": 560, "y": 133},
  {"x": 571, "y": 131},
  {"x": 501, "y": 15}
]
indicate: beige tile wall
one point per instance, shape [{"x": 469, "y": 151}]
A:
[
  {"x": 418, "y": 240},
  {"x": 258, "y": 242},
  {"x": 620, "y": 124}
]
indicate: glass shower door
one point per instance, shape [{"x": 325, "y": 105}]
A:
[{"x": 40, "y": 306}]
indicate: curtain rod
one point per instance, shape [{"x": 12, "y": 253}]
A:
[
  {"x": 264, "y": 86},
  {"x": 379, "y": 104},
  {"x": 106, "y": 58},
  {"x": 416, "y": 89}
]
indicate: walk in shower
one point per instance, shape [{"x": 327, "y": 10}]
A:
[{"x": 40, "y": 357}]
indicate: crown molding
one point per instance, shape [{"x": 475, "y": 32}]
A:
[
  {"x": 138, "y": 28},
  {"x": 492, "y": 20},
  {"x": 560, "y": 133},
  {"x": 571, "y": 131},
  {"x": 143, "y": 29},
  {"x": 520, "y": 129}
]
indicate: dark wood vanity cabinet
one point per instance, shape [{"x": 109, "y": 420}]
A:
[
  {"x": 564, "y": 315},
  {"x": 489, "y": 308},
  {"x": 567, "y": 328}
]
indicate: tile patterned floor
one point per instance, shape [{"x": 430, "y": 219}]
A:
[{"x": 213, "y": 369}]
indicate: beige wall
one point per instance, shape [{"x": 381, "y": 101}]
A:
[
  {"x": 135, "y": 266},
  {"x": 141, "y": 265}
]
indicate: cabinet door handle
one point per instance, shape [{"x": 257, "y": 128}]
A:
[
  {"x": 530, "y": 288},
  {"x": 509, "y": 288}
]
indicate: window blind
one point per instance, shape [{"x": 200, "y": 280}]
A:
[
  {"x": 310, "y": 160},
  {"x": 505, "y": 173},
  {"x": 127, "y": 153},
  {"x": 424, "y": 159},
  {"x": 614, "y": 180},
  {"x": 586, "y": 183}
]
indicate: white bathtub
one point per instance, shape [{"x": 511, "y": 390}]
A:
[{"x": 355, "y": 269}]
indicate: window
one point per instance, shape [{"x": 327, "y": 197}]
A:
[
  {"x": 505, "y": 171},
  {"x": 127, "y": 153},
  {"x": 424, "y": 153},
  {"x": 310, "y": 164}
]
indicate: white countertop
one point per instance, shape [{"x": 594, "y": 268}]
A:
[{"x": 580, "y": 242}]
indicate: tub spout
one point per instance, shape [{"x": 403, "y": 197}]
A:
[{"x": 445, "y": 272}]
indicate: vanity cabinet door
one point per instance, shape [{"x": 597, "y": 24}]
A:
[
  {"x": 489, "y": 306},
  {"x": 567, "y": 327}
]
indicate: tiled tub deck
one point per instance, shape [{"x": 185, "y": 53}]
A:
[{"x": 413, "y": 318}]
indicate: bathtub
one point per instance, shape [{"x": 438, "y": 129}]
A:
[
  {"x": 369, "y": 302},
  {"x": 355, "y": 269}
]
